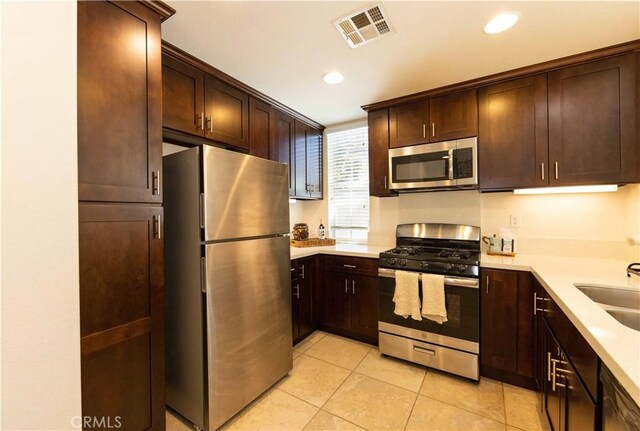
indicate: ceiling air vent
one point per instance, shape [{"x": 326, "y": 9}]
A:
[{"x": 364, "y": 25}]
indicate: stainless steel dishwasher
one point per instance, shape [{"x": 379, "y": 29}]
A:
[{"x": 619, "y": 410}]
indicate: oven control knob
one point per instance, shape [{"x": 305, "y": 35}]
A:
[
  {"x": 392, "y": 261},
  {"x": 448, "y": 267},
  {"x": 402, "y": 262},
  {"x": 424, "y": 264},
  {"x": 461, "y": 268}
]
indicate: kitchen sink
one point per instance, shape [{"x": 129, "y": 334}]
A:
[
  {"x": 613, "y": 296},
  {"x": 629, "y": 318}
]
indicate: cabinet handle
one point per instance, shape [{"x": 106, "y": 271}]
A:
[
  {"x": 297, "y": 288},
  {"x": 433, "y": 130},
  {"x": 542, "y": 170},
  {"x": 210, "y": 121},
  {"x": 201, "y": 119},
  {"x": 423, "y": 350},
  {"x": 556, "y": 166},
  {"x": 155, "y": 182},
  {"x": 353, "y": 287},
  {"x": 424, "y": 130},
  {"x": 349, "y": 266},
  {"x": 385, "y": 183},
  {"x": 157, "y": 228},
  {"x": 553, "y": 374},
  {"x": 487, "y": 287},
  {"x": 548, "y": 366},
  {"x": 302, "y": 267},
  {"x": 292, "y": 269},
  {"x": 346, "y": 286}
]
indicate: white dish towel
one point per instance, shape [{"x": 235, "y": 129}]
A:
[
  {"x": 433, "y": 305},
  {"x": 406, "y": 296}
]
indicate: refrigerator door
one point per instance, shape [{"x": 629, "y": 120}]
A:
[
  {"x": 244, "y": 196},
  {"x": 248, "y": 321}
]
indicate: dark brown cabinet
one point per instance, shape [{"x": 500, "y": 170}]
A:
[
  {"x": 507, "y": 337},
  {"x": 282, "y": 146},
  {"x": 453, "y": 116},
  {"x": 122, "y": 314},
  {"x": 119, "y": 111},
  {"x": 307, "y": 162},
  {"x": 120, "y": 217},
  {"x": 512, "y": 139},
  {"x": 447, "y": 117},
  {"x": 350, "y": 298},
  {"x": 379, "y": 153},
  {"x": 408, "y": 124},
  {"x": 302, "y": 288},
  {"x": 202, "y": 105},
  {"x": 593, "y": 123},
  {"x": 261, "y": 128}
]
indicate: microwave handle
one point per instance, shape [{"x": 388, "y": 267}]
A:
[{"x": 451, "y": 164}]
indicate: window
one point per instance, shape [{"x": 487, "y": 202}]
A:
[{"x": 348, "y": 173}]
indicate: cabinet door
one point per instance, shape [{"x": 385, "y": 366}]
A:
[
  {"x": 182, "y": 97},
  {"x": 314, "y": 163},
  {"x": 261, "y": 124},
  {"x": 592, "y": 122},
  {"x": 337, "y": 301},
  {"x": 282, "y": 148},
  {"x": 408, "y": 124},
  {"x": 295, "y": 309},
  {"x": 554, "y": 396},
  {"x": 364, "y": 306},
  {"x": 453, "y": 116},
  {"x": 581, "y": 411},
  {"x": 498, "y": 325},
  {"x": 301, "y": 185},
  {"x": 305, "y": 317},
  {"x": 226, "y": 113},
  {"x": 379, "y": 153},
  {"x": 119, "y": 102},
  {"x": 122, "y": 314},
  {"x": 526, "y": 365},
  {"x": 513, "y": 144}
]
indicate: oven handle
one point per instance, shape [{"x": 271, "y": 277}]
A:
[{"x": 452, "y": 281}]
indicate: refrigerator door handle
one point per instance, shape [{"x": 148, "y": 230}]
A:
[
  {"x": 201, "y": 212},
  {"x": 203, "y": 274}
]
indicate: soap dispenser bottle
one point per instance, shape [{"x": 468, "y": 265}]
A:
[{"x": 321, "y": 231}]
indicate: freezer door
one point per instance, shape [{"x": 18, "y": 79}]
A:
[
  {"x": 244, "y": 196},
  {"x": 248, "y": 322}
]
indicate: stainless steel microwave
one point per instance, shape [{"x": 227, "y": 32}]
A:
[{"x": 446, "y": 165}]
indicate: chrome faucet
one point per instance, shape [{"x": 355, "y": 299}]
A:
[{"x": 632, "y": 270}]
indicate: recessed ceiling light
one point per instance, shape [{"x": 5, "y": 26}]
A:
[
  {"x": 333, "y": 77},
  {"x": 500, "y": 23}
]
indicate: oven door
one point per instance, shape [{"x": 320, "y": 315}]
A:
[
  {"x": 422, "y": 166},
  {"x": 460, "y": 331}
]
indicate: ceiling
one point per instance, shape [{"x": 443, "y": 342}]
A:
[{"x": 283, "y": 48}]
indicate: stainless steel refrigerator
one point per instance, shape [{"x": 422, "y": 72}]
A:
[{"x": 228, "y": 294}]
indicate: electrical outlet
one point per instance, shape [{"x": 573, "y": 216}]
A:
[{"x": 516, "y": 221}]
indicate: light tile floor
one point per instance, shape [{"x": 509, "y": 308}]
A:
[{"x": 341, "y": 384}]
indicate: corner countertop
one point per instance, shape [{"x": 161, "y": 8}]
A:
[{"x": 617, "y": 345}]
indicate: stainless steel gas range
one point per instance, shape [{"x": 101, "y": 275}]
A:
[{"x": 452, "y": 251}]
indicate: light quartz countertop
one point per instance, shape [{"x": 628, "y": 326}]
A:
[{"x": 617, "y": 345}]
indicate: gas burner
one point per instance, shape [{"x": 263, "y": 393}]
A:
[
  {"x": 411, "y": 251},
  {"x": 454, "y": 254}
]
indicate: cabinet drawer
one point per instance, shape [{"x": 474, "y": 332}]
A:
[
  {"x": 583, "y": 358},
  {"x": 354, "y": 265}
]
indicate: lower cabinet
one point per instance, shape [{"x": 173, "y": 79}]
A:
[
  {"x": 302, "y": 287},
  {"x": 507, "y": 336},
  {"x": 350, "y": 298}
]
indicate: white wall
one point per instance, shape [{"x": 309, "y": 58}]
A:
[{"x": 40, "y": 361}]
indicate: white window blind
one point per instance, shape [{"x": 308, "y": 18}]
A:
[{"x": 348, "y": 172}]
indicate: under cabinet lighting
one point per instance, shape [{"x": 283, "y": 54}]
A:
[
  {"x": 500, "y": 23},
  {"x": 572, "y": 189}
]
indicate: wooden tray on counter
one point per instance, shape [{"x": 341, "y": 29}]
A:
[
  {"x": 313, "y": 242},
  {"x": 501, "y": 253}
]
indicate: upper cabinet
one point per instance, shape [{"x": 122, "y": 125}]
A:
[
  {"x": 282, "y": 145},
  {"x": 261, "y": 125},
  {"x": 513, "y": 146},
  {"x": 379, "y": 153},
  {"x": 453, "y": 116},
  {"x": 202, "y": 105},
  {"x": 408, "y": 124},
  {"x": 307, "y": 162},
  {"x": 447, "y": 117},
  {"x": 119, "y": 112},
  {"x": 593, "y": 123}
]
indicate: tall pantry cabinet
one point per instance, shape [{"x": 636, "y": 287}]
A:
[{"x": 120, "y": 213}]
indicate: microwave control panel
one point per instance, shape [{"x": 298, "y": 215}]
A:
[{"x": 463, "y": 163}]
